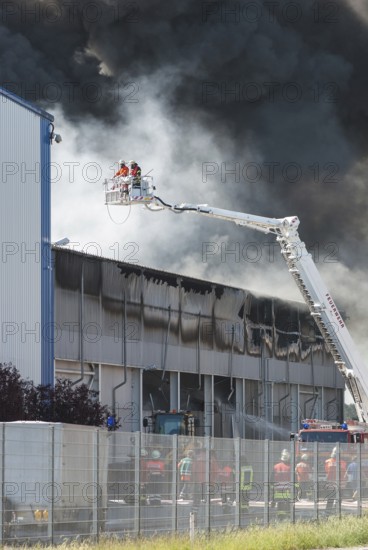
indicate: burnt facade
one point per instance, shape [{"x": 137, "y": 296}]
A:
[{"x": 247, "y": 365}]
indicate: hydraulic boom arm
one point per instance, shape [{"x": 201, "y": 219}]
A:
[{"x": 315, "y": 294}]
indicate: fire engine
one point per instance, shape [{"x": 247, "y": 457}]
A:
[
  {"x": 300, "y": 265},
  {"x": 331, "y": 432}
]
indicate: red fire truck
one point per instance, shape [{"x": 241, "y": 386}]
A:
[{"x": 324, "y": 431}]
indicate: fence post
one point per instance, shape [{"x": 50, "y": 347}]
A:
[
  {"x": 174, "y": 483},
  {"x": 338, "y": 481},
  {"x": 95, "y": 466},
  {"x": 50, "y": 520},
  {"x": 266, "y": 483},
  {"x": 237, "y": 474},
  {"x": 137, "y": 487},
  {"x": 2, "y": 458},
  {"x": 316, "y": 489},
  {"x": 359, "y": 478},
  {"x": 293, "y": 493},
  {"x": 207, "y": 499},
  {"x": 192, "y": 522}
]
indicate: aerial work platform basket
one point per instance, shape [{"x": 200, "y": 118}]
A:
[{"x": 129, "y": 190}]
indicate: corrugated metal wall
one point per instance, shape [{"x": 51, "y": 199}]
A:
[
  {"x": 189, "y": 344},
  {"x": 22, "y": 237}
]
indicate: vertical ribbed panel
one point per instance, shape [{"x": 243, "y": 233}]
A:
[
  {"x": 47, "y": 291},
  {"x": 21, "y": 238}
]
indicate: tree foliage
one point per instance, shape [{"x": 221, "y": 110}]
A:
[
  {"x": 12, "y": 394},
  {"x": 22, "y": 400},
  {"x": 350, "y": 412}
]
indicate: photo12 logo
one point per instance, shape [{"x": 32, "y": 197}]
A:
[{"x": 270, "y": 172}]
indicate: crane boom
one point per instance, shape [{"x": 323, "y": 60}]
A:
[{"x": 314, "y": 291}]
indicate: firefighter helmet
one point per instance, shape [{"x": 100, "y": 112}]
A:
[{"x": 285, "y": 456}]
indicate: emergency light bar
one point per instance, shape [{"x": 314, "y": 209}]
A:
[{"x": 310, "y": 424}]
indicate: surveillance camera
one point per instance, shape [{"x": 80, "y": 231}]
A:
[
  {"x": 62, "y": 242},
  {"x": 57, "y": 138}
]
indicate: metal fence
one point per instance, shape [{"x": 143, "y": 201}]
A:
[{"x": 59, "y": 482}]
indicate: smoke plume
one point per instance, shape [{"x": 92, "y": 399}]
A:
[{"x": 254, "y": 106}]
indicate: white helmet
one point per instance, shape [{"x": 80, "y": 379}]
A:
[
  {"x": 121, "y": 161},
  {"x": 285, "y": 456},
  {"x": 132, "y": 162},
  {"x": 156, "y": 454}
]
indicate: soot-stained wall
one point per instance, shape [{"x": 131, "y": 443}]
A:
[{"x": 177, "y": 341}]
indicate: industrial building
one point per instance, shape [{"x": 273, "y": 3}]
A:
[
  {"x": 26, "y": 313},
  {"x": 246, "y": 365}
]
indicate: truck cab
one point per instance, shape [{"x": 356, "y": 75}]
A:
[{"x": 171, "y": 423}]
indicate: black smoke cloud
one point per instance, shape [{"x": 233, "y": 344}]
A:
[{"x": 286, "y": 82}]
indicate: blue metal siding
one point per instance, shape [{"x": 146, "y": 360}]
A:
[
  {"x": 26, "y": 300},
  {"x": 26, "y": 104},
  {"x": 47, "y": 291}
]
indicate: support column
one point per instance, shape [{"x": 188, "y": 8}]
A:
[
  {"x": 136, "y": 381},
  {"x": 295, "y": 412},
  {"x": 208, "y": 404},
  {"x": 239, "y": 406},
  {"x": 174, "y": 391}
]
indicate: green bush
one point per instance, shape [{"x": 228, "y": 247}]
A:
[{"x": 64, "y": 402}]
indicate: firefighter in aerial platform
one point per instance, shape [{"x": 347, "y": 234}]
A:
[
  {"x": 123, "y": 172},
  {"x": 135, "y": 173},
  {"x": 281, "y": 486}
]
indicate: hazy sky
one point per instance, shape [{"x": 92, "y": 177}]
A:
[{"x": 253, "y": 106}]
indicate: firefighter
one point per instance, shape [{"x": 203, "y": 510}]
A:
[
  {"x": 331, "y": 478},
  {"x": 185, "y": 472},
  {"x": 303, "y": 474},
  {"x": 281, "y": 485},
  {"x": 226, "y": 481},
  {"x": 135, "y": 173},
  {"x": 351, "y": 477},
  {"x": 246, "y": 482},
  {"x": 123, "y": 170},
  {"x": 199, "y": 475},
  {"x": 155, "y": 470}
]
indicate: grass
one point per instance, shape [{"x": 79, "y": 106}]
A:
[{"x": 330, "y": 533}]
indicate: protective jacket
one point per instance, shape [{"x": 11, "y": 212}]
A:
[
  {"x": 136, "y": 171},
  {"x": 303, "y": 472},
  {"x": 123, "y": 172}
]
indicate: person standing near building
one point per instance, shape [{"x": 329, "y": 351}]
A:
[
  {"x": 201, "y": 467},
  {"x": 155, "y": 470},
  {"x": 281, "y": 485},
  {"x": 185, "y": 473},
  {"x": 303, "y": 473},
  {"x": 331, "y": 478},
  {"x": 246, "y": 483},
  {"x": 351, "y": 478}
]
